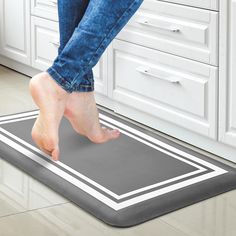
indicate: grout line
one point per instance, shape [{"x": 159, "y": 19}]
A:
[
  {"x": 172, "y": 226},
  {"x": 11, "y": 70},
  {"x": 32, "y": 210}
]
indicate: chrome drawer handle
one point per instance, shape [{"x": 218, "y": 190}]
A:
[
  {"x": 57, "y": 44},
  {"x": 146, "y": 22},
  {"x": 145, "y": 70},
  {"x": 54, "y": 2}
]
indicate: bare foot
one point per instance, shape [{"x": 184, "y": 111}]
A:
[
  {"x": 82, "y": 113},
  {"x": 51, "y": 100}
]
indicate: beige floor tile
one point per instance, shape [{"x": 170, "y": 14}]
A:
[
  {"x": 19, "y": 192},
  {"x": 7, "y": 207},
  {"x": 14, "y": 101},
  {"x": 14, "y": 92},
  {"x": 12, "y": 79},
  {"x": 68, "y": 219},
  {"x": 213, "y": 217}
]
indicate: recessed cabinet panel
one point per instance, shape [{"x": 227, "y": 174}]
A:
[
  {"x": 100, "y": 75},
  {"x": 165, "y": 86},
  {"x": 180, "y": 30},
  {"x": 45, "y": 42},
  {"x": 45, "y": 8},
  {"x": 15, "y": 30},
  {"x": 227, "y": 98}
]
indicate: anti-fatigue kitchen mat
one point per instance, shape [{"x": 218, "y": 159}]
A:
[{"x": 125, "y": 181}]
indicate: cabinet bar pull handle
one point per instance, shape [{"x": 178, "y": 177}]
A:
[
  {"x": 145, "y": 71},
  {"x": 147, "y": 23},
  {"x": 57, "y": 44},
  {"x": 53, "y": 2}
]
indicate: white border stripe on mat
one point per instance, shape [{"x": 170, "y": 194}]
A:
[
  {"x": 158, "y": 142},
  {"x": 95, "y": 193},
  {"x": 18, "y": 119},
  {"x": 98, "y": 195},
  {"x": 116, "y": 196},
  {"x": 15, "y": 116},
  {"x": 59, "y": 172}
]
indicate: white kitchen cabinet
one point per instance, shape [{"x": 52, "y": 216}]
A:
[
  {"x": 44, "y": 42},
  {"x": 227, "y": 83},
  {"x": 15, "y": 30},
  {"x": 174, "y": 89},
  {"x": 180, "y": 30}
]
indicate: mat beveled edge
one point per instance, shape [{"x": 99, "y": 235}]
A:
[{"x": 128, "y": 217}]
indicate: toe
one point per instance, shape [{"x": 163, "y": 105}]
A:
[
  {"x": 114, "y": 133},
  {"x": 110, "y": 133},
  {"x": 55, "y": 154}
]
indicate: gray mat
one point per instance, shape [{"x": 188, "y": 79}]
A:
[{"x": 123, "y": 182}]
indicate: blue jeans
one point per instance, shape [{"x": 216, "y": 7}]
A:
[{"x": 86, "y": 29}]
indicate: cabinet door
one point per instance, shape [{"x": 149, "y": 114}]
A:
[
  {"x": 15, "y": 29},
  {"x": 44, "y": 42},
  {"x": 227, "y": 84},
  {"x": 167, "y": 87}
]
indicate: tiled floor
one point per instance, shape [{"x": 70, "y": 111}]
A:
[{"x": 29, "y": 208}]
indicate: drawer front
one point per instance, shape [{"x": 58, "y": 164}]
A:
[
  {"x": 180, "y": 30},
  {"x": 168, "y": 87},
  {"x": 45, "y": 42},
  {"x": 207, "y": 4},
  {"x": 45, "y": 9}
]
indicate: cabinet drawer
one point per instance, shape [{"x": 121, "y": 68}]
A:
[
  {"x": 45, "y": 42},
  {"x": 45, "y": 8},
  {"x": 207, "y": 4},
  {"x": 180, "y": 30},
  {"x": 175, "y": 89}
]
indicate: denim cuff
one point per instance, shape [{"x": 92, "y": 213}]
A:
[
  {"x": 87, "y": 84},
  {"x": 84, "y": 88}
]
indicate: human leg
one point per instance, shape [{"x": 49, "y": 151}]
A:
[
  {"x": 51, "y": 95},
  {"x": 70, "y": 13},
  {"x": 81, "y": 109},
  {"x": 100, "y": 24}
]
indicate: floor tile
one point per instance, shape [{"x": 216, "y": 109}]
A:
[
  {"x": 19, "y": 192},
  {"x": 212, "y": 217},
  {"x": 14, "y": 101},
  {"x": 12, "y": 79},
  {"x": 14, "y": 92},
  {"x": 68, "y": 219}
]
